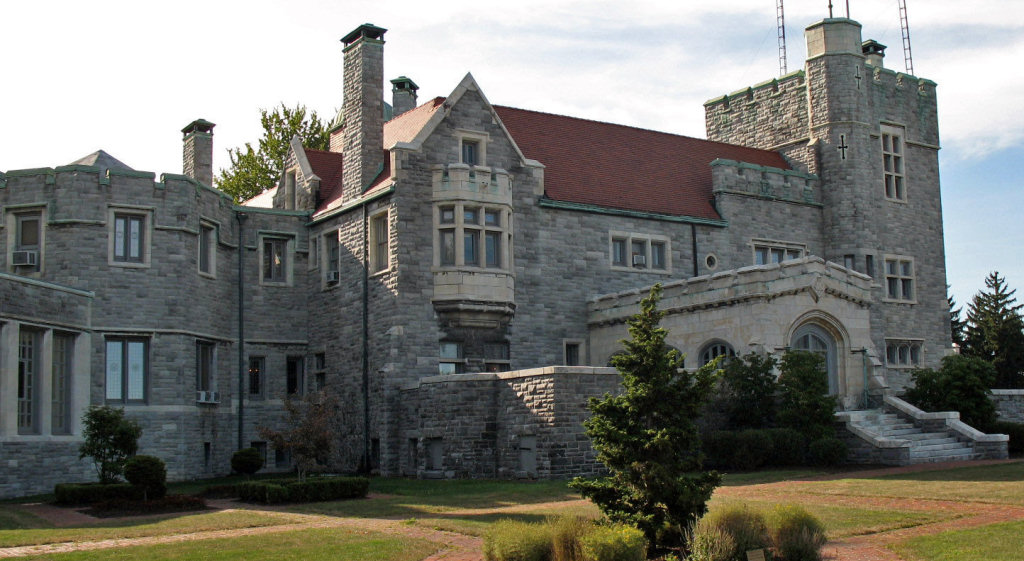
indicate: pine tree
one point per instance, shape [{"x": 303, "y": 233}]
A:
[
  {"x": 995, "y": 331},
  {"x": 956, "y": 324},
  {"x": 647, "y": 437},
  {"x": 252, "y": 170}
]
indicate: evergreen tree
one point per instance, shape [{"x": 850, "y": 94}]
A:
[
  {"x": 956, "y": 324},
  {"x": 253, "y": 171},
  {"x": 995, "y": 331},
  {"x": 647, "y": 436}
]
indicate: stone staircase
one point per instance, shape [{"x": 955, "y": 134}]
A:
[{"x": 901, "y": 434}]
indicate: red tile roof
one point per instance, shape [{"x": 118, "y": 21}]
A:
[{"x": 622, "y": 167}]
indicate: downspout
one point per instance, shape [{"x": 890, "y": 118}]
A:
[
  {"x": 366, "y": 343},
  {"x": 241, "y": 216},
  {"x": 693, "y": 238}
]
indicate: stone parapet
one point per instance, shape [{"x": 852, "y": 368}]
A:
[{"x": 1009, "y": 405}]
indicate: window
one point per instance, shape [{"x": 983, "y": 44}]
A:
[
  {"x": 261, "y": 448},
  {"x": 379, "y": 243},
  {"x": 205, "y": 366},
  {"x": 320, "y": 377},
  {"x": 27, "y": 243},
  {"x": 903, "y": 353},
  {"x": 480, "y": 232},
  {"x": 207, "y": 249},
  {"x": 451, "y": 361},
  {"x": 129, "y": 238},
  {"x": 892, "y": 163},
  {"x": 257, "y": 385},
  {"x": 639, "y": 252},
  {"x": 572, "y": 353},
  {"x": 715, "y": 349},
  {"x": 60, "y": 384},
  {"x": 207, "y": 454},
  {"x": 332, "y": 256},
  {"x": 766, "y": 251},
  {"x": 275, "y": 260},
  {"x": 869, "y": 265},
  {"x": 435, "y": 453},
  {"x": 470, "y": 152},
  {"x": 496, "y": 357},
  {"x": 293, "y": 375},
  {"x": 849, "y": 261},
  {"x": 28, "y": 381},
  {"x": 314, "y": 252},
  {"x": 899, "y": 279},
  {"x": 127, "y": 369}
]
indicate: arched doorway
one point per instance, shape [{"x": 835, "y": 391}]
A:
[{"x": 812, "y": 337}]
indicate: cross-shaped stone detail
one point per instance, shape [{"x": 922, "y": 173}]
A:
[
  {"x": 858, "y": 77},
  {"x": 842, "y": 146}
]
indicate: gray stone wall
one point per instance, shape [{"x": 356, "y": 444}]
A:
[{"x": 1009, "y": 405}]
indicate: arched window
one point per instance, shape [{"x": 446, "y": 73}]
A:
[
  {"x": 715, "y": 349},
  {"x": 812, "y": 337}
]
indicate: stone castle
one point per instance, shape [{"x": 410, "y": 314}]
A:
[{"x": 459, "y": 273}]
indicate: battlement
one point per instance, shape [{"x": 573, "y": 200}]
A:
[
  {"x": 769, "y": 88},
  {"x": 77, "y": 174},
  {"x": 886, "y": 77},
  {"x": 732, "y": 177}
]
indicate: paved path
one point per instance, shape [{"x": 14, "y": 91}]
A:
[{"x": 459, "y": 547}]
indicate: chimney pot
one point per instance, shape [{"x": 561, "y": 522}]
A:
[{"x": 874, "y": 52}]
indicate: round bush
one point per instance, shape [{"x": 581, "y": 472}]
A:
[
  {"x": 796, "y": 535},
  {"x": 246, "y": 461},
  {"x": 827, "y": 452},
  {"x": 788, "y": 447},
  {"x": 148, "y": 473},
  {"x": 753, "y": 448}
]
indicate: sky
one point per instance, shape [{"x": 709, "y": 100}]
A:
[{"x": 127, "y": 76}]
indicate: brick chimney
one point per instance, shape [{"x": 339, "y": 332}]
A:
[
  {"x": 403, "y": 95},
  {"x": 197, "y": 156},
  {"x": 363, "y": 109},
  {"x": 874, "y": 52}
]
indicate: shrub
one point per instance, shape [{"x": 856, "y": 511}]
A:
[
  {"x": 750, "y": 391},
  {"x": 566, "y": 532},
  {"x": 827, "y": 452},
  {"x": 511, "y": 540},
  {"x": 961, "y": 384},
  {"x": 617, "y": 542},
  {"x": 753, "y": 449},
  {"x": 147, "y": 473},
  {"x": 169, "y": 503},
  {"x": 719, "y": 447},
  {"x": 796, "y": 535},
  {"x": 806, "y": 405},
  {"x": 788, "y": 447},
  {"x": 1015, "y": 432},
  {"x": 710, "y": 543},
  {"x": 745, "y": 528},
  {"x": 309, "y": 490},
  {"x": 246, "y": 461},
  {"x": 110, "y": 439},
  {"x": 70, "y": 494},
  {"x": 222, "y": 491}
]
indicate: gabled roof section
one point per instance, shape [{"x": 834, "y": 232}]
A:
[
  {"x": 102, "y": 160},
  {"x": 627, "y": 168}
]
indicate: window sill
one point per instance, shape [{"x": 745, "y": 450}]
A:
[
  {"x": 207, "y": 275},
  {"x": 129, "y": 265},
  {"x": 895, "y": 301},
  {"x": 381, "y": 272},
  {"x": 625, "y": 269},
  {"x": 274, "y": 283},
  {"x": 897, "y": 201}
]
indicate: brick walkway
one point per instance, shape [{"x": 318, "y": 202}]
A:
[{"x": 459, "y": 547}]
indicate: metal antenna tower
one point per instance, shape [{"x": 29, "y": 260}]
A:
[
  {"x": 781, "y": 19},
  {"x": 907, "y": 56}
]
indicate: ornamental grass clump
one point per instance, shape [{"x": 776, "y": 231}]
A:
[
  {"x": 796, "y": 535},
  {"x": 512, "y": 540},
  {"x": 727, "y": 533},
  {"x": 616, "y": 542}
]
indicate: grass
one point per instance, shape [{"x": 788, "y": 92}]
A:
[
  {"x": 995, "y": 542},
  {"x": 998, "y": 484},
  {"x": 145, "y": 527},
  {"x": 302, "y": 545},
  {"x": 16, "y": 519}
]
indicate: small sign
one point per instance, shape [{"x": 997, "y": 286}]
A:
[{"x": 756, "y": 555}]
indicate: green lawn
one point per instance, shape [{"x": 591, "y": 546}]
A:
[
  {"x": 995, "y": 542},
  {"x": 303, "y": 545}
]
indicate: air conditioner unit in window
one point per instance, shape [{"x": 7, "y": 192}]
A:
[
  {"x": 639, "y": 260},
  {"x": 25, "y": 257},
  {"x": 207, "y": 397},
  {"x": 333, "y": 277}
]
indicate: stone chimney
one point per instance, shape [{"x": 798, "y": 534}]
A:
[
  {"x": 403, "y": 95},
  {"x": 874, "y": 52},
  {"x": 362, "y": 109},
  {"x": 197, "y": 156}
]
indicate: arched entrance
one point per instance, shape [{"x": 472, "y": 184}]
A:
[{"x": 812, "y": 337}]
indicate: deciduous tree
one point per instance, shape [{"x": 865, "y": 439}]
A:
[
  {"x": 110, "y": 439},
  {"x": 311, "y": 431}
]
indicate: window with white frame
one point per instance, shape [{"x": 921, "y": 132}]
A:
[
  {"x": 450, "y": 359},
  {"x": 129, "y": 238},
  {"x": 892, "y": 163},
  {"x": 207, "y": 249},
  {"x": 60, "y": 383},
  {"x": 899, "y": 278},
  {"x": 28, "y": 241},
  {"x": 274, "y": 261},
  {"x": 127, "y": 369},
  {"x": 205, "y": 365},
  {"x": 903, "y": 353},
  {"x": 639, "y": 252},
  {"x": 379, "y": 255},
  {"x": 770, "y": 251},
  {"x": 473, "y": 235},
  {"x": 29, "y": 367},
  {"x": 715, "y": 349}
]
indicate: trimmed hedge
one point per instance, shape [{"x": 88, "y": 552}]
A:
[
  {"x": 70, "y": 494},
  {"x": 311, "y": 490},
  {"x": 167, "y": 503},
  {"x": 827, "y": 452},
  {"x": 754, "y": 448},
  {"x": 1015, "y": 432},
  {"x": 148, "y": 473},
  {"x": 788, "y": 447}
]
